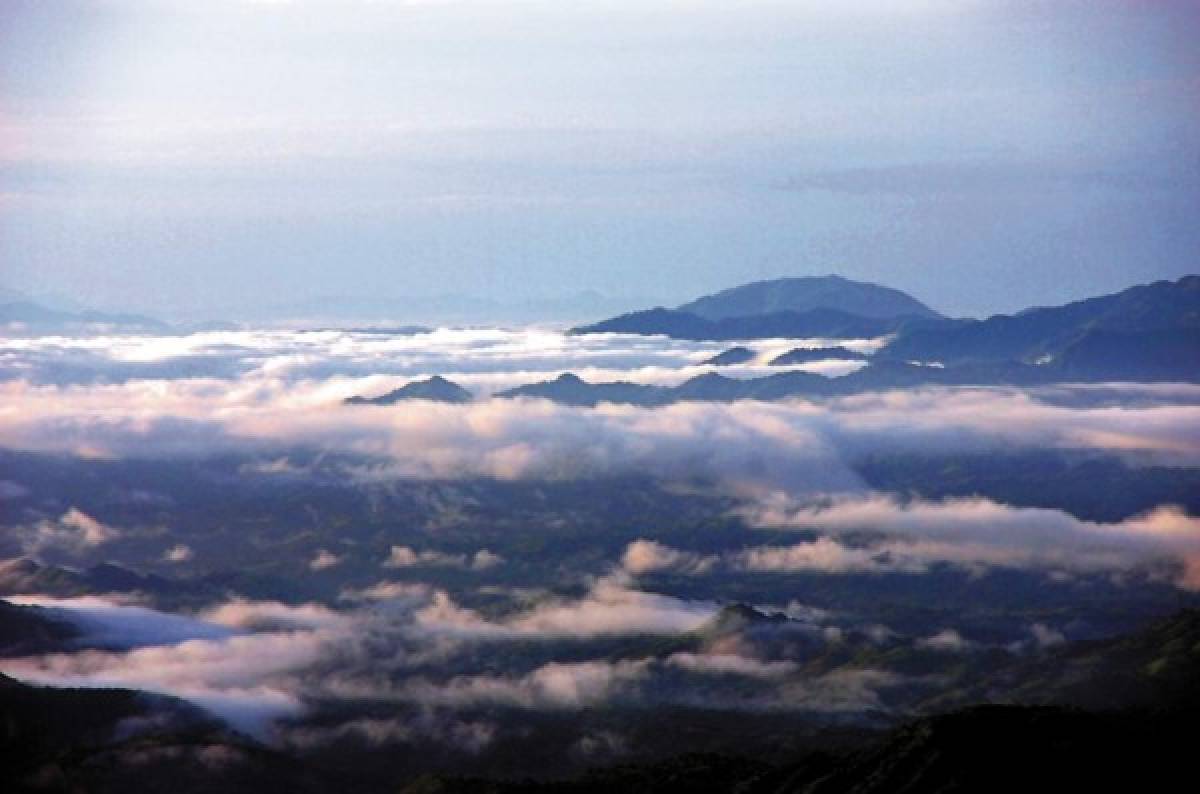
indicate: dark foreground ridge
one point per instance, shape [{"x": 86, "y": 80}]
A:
[
  {"x": 1142, "y": 689},
  {"x": 985, "y": 748},
  {"x": 1113, "y": 714}
]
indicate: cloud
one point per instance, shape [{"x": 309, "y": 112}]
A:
[
  {"x": 731, "y": 664},
  {"x": 405, "y": 557},
  {"x": 483, "y": 560},
  {"x": 483, "y": 360},
  {"x": 105, "y": 622},
  {"x": 798, "y": 445},
  {"x": 255, "y": 662},
  {"x": 275, "y": 616},
  {"x": 770, "y": 686},
  {"x": 470, "y": 736},
  {"x": 609, "y": 608},
  {"x": 73, "y": 532},
  {"x": 180, "y": 552},
  {"x": 648, "y": 556},
  {"x": 323, "y": 560},
  {"x": 946, "y": 640},
  {"x": 227, "y": 676},
  {"x": 389, "y": 591},
  {"x": 977, "y": 531},
  {"x": 554, "y": 685},
  {"x": 824, "y": 555},
  {"x": 1045, "y": 636},
  {"x": 234, "y": 660}
]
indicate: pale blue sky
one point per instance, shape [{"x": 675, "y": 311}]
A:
[{"x": 198, "y": 158}]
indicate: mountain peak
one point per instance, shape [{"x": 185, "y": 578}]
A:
[
  {"x": 436, "y": 388},
  {"x": 805, "y": 293}
]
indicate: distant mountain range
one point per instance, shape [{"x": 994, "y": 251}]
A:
[
  {"x": 819, "y": 322},
  {"x": 829, "y": 306},
  {"x": 444, "y": 309},
  {"x": 1148, "y": 333},
  {"x": 1154, "y": 330},
  {"x": 880, "y": 375},
  {"x": 25, "y": 317},
  {"x": 1145, "y": 333}
]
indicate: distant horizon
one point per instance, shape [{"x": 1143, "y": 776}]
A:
[
  {"x": 449, "y": 308},
  {"x": 203, "y": 159}
]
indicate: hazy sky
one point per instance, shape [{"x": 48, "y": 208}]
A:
[{"x": 188, "y": 157}]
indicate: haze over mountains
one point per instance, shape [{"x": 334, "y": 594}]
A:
[
  {"x": 1145, "y": 333},
  {"x": 370, "y": 559},
  {"x": 38, "y": 314}
]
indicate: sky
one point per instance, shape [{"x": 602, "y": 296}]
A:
[{"x": 201, "y": 160}]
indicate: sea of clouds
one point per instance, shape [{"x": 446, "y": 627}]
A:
[{"x": 264, "y": 394}]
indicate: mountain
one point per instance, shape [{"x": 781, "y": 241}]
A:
[
  {"x": 787, "y": 307},
  {"x": 59, "y": 740},
  {"x": 1145, "y": 332},
  {"x": 23, "y": 575},
  {"x": 437, "y": 389},
  {"x": 25, "y": 317},
  {"x": 727, "y": 358},
  {"x": 1141, "y": 743},
  {"x": 878, "y": 375},
  {"x": 804, "y": 355},
  {"x": 570, "y": 389},
  {"x": 819, "y": 322},
  {"x": 30, "y": 630},
  {"x": 1155, "y": 666},
  {"x": 805, "y": 294}
]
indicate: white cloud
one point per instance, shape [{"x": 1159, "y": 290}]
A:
[
  {"x": 648, "y": 556},
  {"x": 406, "y": 557},
  {"x": 554, "y": 685},
  {"x": 794, "y": 444},
  {"x": 225, "y": 676},
  {"x": 234, "y": 660},
  {"x": 982, "y": 532},
  {"x": 946, "y": 640},
  {"x": 323, "y": 560},
  {"x": 107, "y": 622},
  {"x": 389, "y": 591},
  {"x": 731, "y": 664},
  {"x": 483, "y": 560},
  {"x": 180, "y": 552},
  {"x": 610, "y": 607},
  {"x": 1045, "y": 636},
  {"x": 824, "y": 555},
  {"x": 74, "y": 532}
]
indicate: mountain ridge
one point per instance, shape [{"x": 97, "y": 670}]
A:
[
  {"x": 805, "y": 293},
  {"x": 435, "y": 388}
]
